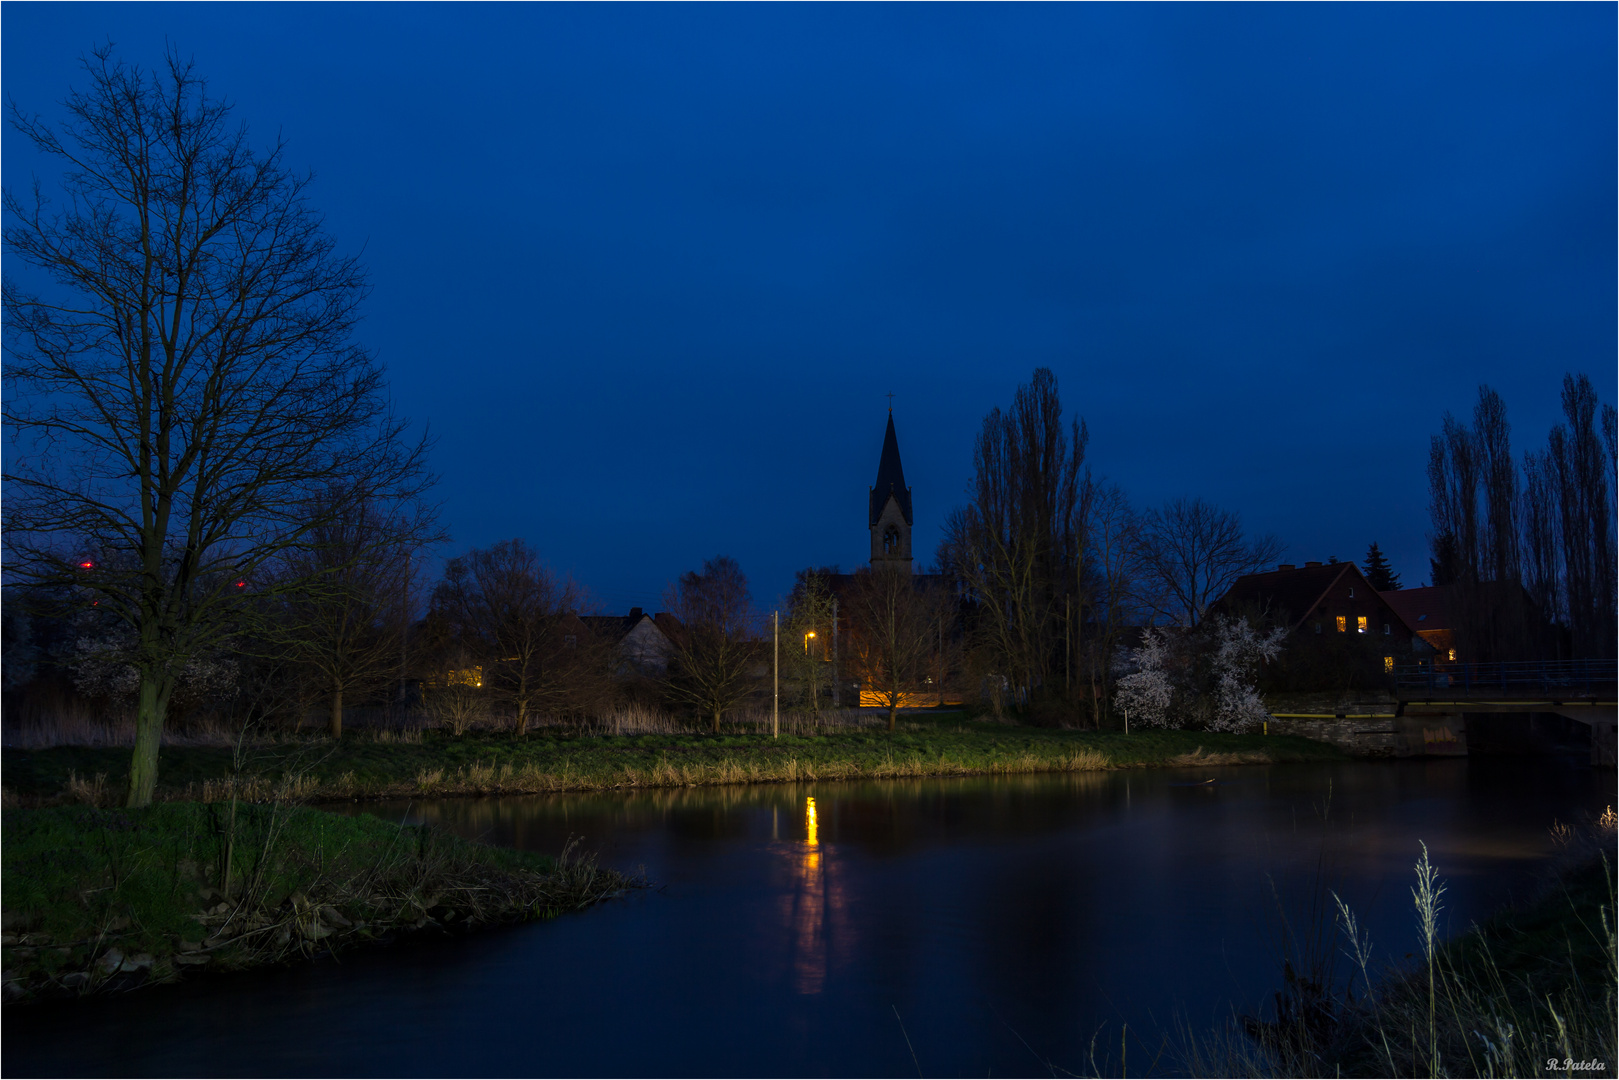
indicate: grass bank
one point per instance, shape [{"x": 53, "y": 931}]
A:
[
  {"x": 1532, "y": 991},
  {"x": 97, "y": 901},
  {"x": 426, "y": 764}
]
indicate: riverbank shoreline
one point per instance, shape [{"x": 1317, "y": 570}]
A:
[
  {"x": 363, "y": 767},
  {"x": 107, "y": 901}
]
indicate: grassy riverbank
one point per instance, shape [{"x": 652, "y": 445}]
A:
[
  {"x": 1533, "y": 991},
  {"x": 106, "y": 900},
  {"x": 431, "y": 763}
]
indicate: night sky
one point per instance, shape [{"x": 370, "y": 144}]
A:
[{"x": 649, "y": 273}]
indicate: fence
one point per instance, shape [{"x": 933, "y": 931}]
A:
[{"x": 1556, "y": 679}]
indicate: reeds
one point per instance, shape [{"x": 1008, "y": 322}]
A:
[{"x": 1501, "y": 1001}]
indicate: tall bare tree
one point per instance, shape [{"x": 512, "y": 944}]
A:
[
  {"x": 184, "y": 387},
  {"x": 898, "y": 622},
  {"x": 712, "y": 666},
  {"x": 347, "y": 621},
  {"x": 1583, "y": 466},
  {"x": 807, "y": 637},
  {"x": 513, "y": 615},
  {"x": 1111, "y": 539},
  {"x": 1017, "y": 545},
  {"x": 1189, "y": 551}
]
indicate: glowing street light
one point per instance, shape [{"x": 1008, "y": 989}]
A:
[{"x": 807, "y": 639}]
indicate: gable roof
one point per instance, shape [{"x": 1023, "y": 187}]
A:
[
  {"x": 1427, "y": 608},
  {"x": 1298, "y": 591},
  {"x": 890, "y": 478}
]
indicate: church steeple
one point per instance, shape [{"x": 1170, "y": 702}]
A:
[{"x": 890, "y": 507}]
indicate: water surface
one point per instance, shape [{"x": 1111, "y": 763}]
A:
[{"x": 985, "y": 925}]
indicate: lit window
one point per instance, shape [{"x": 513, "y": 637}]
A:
[
  {"x": 1360, "y": 624},
  {"x": 1451, "y": 655},
  {"x": 1388, "y": 663},
  {"x": 1343, "y": 623}
]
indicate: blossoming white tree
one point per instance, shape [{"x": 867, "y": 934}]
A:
[
  {"x": 1146, "y": 694},
  {"x": 1238, "y": 652}
]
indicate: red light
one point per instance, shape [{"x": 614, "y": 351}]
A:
[
  {"x": 87, "y": 566},
  {"x": 241, "y": 584}
]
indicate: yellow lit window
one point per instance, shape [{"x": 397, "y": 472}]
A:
[
  {"x": 1360, "y": 624},
  {"x": 1388, "y": 663},
  {"x": 1451, "y": 655},
  {"x": 1343, "y": 623}
]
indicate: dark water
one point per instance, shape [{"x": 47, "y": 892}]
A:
[{"x": 992, "y": 926}]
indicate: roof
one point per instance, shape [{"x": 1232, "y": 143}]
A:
[
  {"x": 614, "y": 628},
  {"x": 890, "y": 478},
  {"x": 1422, "y": 609},
  {"x": 1295, "y": 591}
]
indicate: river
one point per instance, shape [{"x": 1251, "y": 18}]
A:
[{"x": 961, "y": 926}]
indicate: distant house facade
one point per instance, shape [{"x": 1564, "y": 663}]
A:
[
  {"x": 643, "y": 643},
  {"x": 1427, "y": 612},
  {"x": 1322, "y": 599}
]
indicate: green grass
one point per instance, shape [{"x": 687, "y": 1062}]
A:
[
  {"x": 97, "y": 900},
  {"x": 359, "y": 766}
]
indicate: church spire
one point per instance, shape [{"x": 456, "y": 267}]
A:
[
  {"x": 890, "y": 477},
  {"x": 890, "y": 507}
]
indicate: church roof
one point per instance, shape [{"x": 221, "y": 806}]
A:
[{"x": 890, "y": 478}]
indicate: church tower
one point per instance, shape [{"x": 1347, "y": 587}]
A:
[{"x": 890, "y": 503}]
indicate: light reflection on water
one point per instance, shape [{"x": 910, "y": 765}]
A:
[{"x": 1006, "y": 919}]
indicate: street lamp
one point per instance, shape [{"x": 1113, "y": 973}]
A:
[{"x": 807, "y": 638}]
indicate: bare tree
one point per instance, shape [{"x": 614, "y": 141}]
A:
[
  {"x": 897, "y": 622},
  {"x": 1190, "y": 551},
  {"x": 1111, "y": 539},
  {"x": 514, "y": 614},
  {"x": 1583, "y": 466},
  {"x": 184, "y": 391},
  {"x": 712, "y": 666},
  {"x": 347, "y": 621},
  {"x": 1017, "y": 545},
  {"x": 807, "y": 637}
]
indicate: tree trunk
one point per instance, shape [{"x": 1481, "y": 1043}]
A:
[
  {"x": 522, "y": 718},
  {"x": 893, "y": 710},
  {"x": 716, "y": 721},
  {"x": 149, "y": 712},
  {"x": 337, "y": 713}
]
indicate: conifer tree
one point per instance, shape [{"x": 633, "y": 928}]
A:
[{"x": 1379, "y": 575}]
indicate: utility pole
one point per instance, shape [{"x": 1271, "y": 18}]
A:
[
  {"x": 836, "y": 690},
  {"x": 775, "y": 699}
]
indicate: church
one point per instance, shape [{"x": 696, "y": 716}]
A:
[{"x": 890, "y": 508}]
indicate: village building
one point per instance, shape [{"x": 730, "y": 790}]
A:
[
  {"x": 1427, "y": 612},
  {"x": 889, "y": 505},
  {"x": 1320, "y": 600},
  {"x": 643, "y": 643}
]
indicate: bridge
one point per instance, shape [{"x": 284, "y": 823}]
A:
[{"x": 1433, "y": 700}]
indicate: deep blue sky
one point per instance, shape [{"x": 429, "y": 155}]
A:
[{"x": 648, "y": 272}]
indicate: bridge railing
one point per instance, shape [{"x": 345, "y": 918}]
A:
[{"x": 1555, "y": 679}]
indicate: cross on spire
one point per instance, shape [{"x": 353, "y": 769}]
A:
[{"x": 890, "y": 401}]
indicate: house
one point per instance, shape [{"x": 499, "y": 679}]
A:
[
  {"x": 644, "y": 643},
  {"x": 1319, "y": 599},
  {"x": 1427, "y": 612}
]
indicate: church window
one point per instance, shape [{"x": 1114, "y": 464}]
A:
[{"x": 891, "y": 541}]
